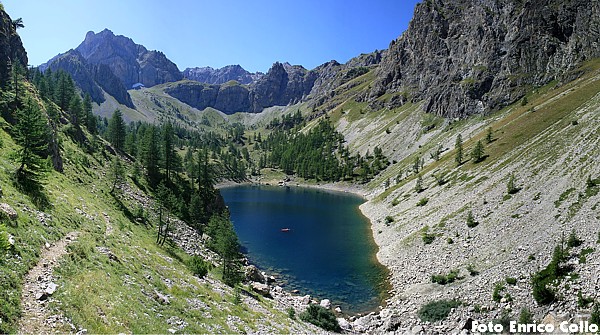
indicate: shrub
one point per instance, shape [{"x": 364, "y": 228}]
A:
[
  {"x": 445, "y": 279},
  {"x": 389, "y": 219},
  {"x": 583, "y": 302},
  {"x": 583, "y": 255},
  {"x": 471, "y": 223},
  {"x": 573, "y": 241},
  {"x": 497, "y": 294},
  {"x": 511, "y": 281},
  {"x": 525, "y": 316},
  {"x": 4, "y": 244},
  {"x": 511, "y": 186},
  {"x": 198, "y": 266},
  {"x": 291, "y": 313},
  {"x": 395, "y": 202},
  {"x": 437, "y": 310},
  {"x": 428, "y": 238},
  {"x": 595, "y": 316},
  {"x": 472, "y": 271},
  {"x": 320, "y": 317},
  {"x": 423, "y": 202}
]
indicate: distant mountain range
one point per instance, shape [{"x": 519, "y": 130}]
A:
[
  {"x": 105, "y": 63},
  {"x": 474, "y": 60}
]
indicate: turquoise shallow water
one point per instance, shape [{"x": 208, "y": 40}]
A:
[{"x": 329, "y": 251}]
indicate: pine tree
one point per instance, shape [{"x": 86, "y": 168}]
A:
[
  {"x": 226, "y": 244},
  {"x": 488, "y": 136},
  {"x": 75, "y": 110},
  {"x": 169, "y": 154},
  {"x": 117, "y": 174},
  {"x": 459, "y": 150},
  {"x": 419, "y": 184},
  {"x": 90, "y": 119},
  {"x": 116, "y": 130},
  {"x": 478, "y": 153},
  {"x": 31, "y": 133},
  {"x": 150, "y": 155}
]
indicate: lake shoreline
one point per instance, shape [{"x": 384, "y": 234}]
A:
[{"x": 367, "y": 209}]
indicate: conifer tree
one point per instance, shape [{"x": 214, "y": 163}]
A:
[
  {"x": 169, "y": 154},
  {"x": 459, "y": 150},
  {"x": 117, "y": 174},
  {"x": 31, "y": 133},
  {"x": 116, "y": 130},
  {"x": 488, "y": 136},
  {"x": 478, "y": 153},
  {"x": 419, "y": 184},
  {"x": 150, "y": 155},
  {"x": 226, "y": 244}
]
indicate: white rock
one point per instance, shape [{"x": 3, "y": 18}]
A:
[
  {"x": 344, "y": 324},
  {"x": 325, "y": 303},
  {"x": 51, "y": 288}
]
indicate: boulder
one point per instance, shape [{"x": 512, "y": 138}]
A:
[
  {"x": 262, "y": 289},
  {"x": 162, "y": 298},
  {"x": 51, "y": 288},
  {"x": 344, "y": 324},
  {"x": 253, "y": 274},
  {"x": 7, "y": 211},
  {"x": 325, "y": 303}
]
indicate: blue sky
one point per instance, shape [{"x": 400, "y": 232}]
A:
[{"x": 252, "y": 33}]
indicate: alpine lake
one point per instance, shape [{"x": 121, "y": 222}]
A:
[{"x": 312, "y": 240}]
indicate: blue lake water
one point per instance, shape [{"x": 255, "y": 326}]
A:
[{"x": 329, "y": 251}]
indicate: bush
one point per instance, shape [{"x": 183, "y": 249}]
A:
[
  {"x": 437, "y": 310},
  {"x": 525, "y": 316},
  {"x": 291, "y": 313},
  {"x": 573, "y": 241},
  {"x": 472, "y": 271},
  {"x": 445, "y": 279},
  {"x": 389, "y": 219},
  {"x": 471, "y": 223},
  {"x": 511, "y": 281},
  {"x": 511, "y": 186},
  {"x": 320, "y": 317},
  {"x": 4, "y": 244},
  {"x": 583, "y": 302},
  {"x": 428, "y": 238},
  {"x": 497, "y": 294},
  {"x": 595, "y": 317},
  {"x": 423, "y": 202},
  {"x": 198, "y": 266}
]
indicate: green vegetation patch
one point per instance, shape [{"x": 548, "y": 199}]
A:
[{"x": 437, "y": 310}]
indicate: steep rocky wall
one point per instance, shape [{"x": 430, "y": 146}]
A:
[
  {"x": 11, "y": 48},
  {"x": 472, "y": 56}
]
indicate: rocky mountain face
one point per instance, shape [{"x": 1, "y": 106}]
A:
[
  {"x": 283, "y": 84},
  {"x": 131, "y": 63},
  {"x": 220, "y": 76},
  {"x": 11, "y": 48},
  {"x": 472, "y": 56},
  {"x": 114, "y": 64}
]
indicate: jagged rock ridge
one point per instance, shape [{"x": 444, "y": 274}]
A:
[
  {"x": 114, "y": 63},
  {"x": 472, "y": 56},
  {"x": 220, "y": 76}
]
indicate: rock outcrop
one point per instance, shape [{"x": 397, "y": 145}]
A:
[
  {"x": 472, "y": 56},
  {"x": 220, "y": 76},
  {"x": 283, "y": 84},
  {"x": 11, "y": 48}
]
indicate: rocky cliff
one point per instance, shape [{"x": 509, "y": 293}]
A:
[
  {"x": 220, "y": 76},
  {"x": 283, "y": 84},
  {"x": 131, "y": 63},
  {"x": 11, "y": 48},
  {"x": 472, "y": 56},
  {"x": 114, "y": 63}
]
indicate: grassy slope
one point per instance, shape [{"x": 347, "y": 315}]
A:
[{"x": 104, "y": 295}]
